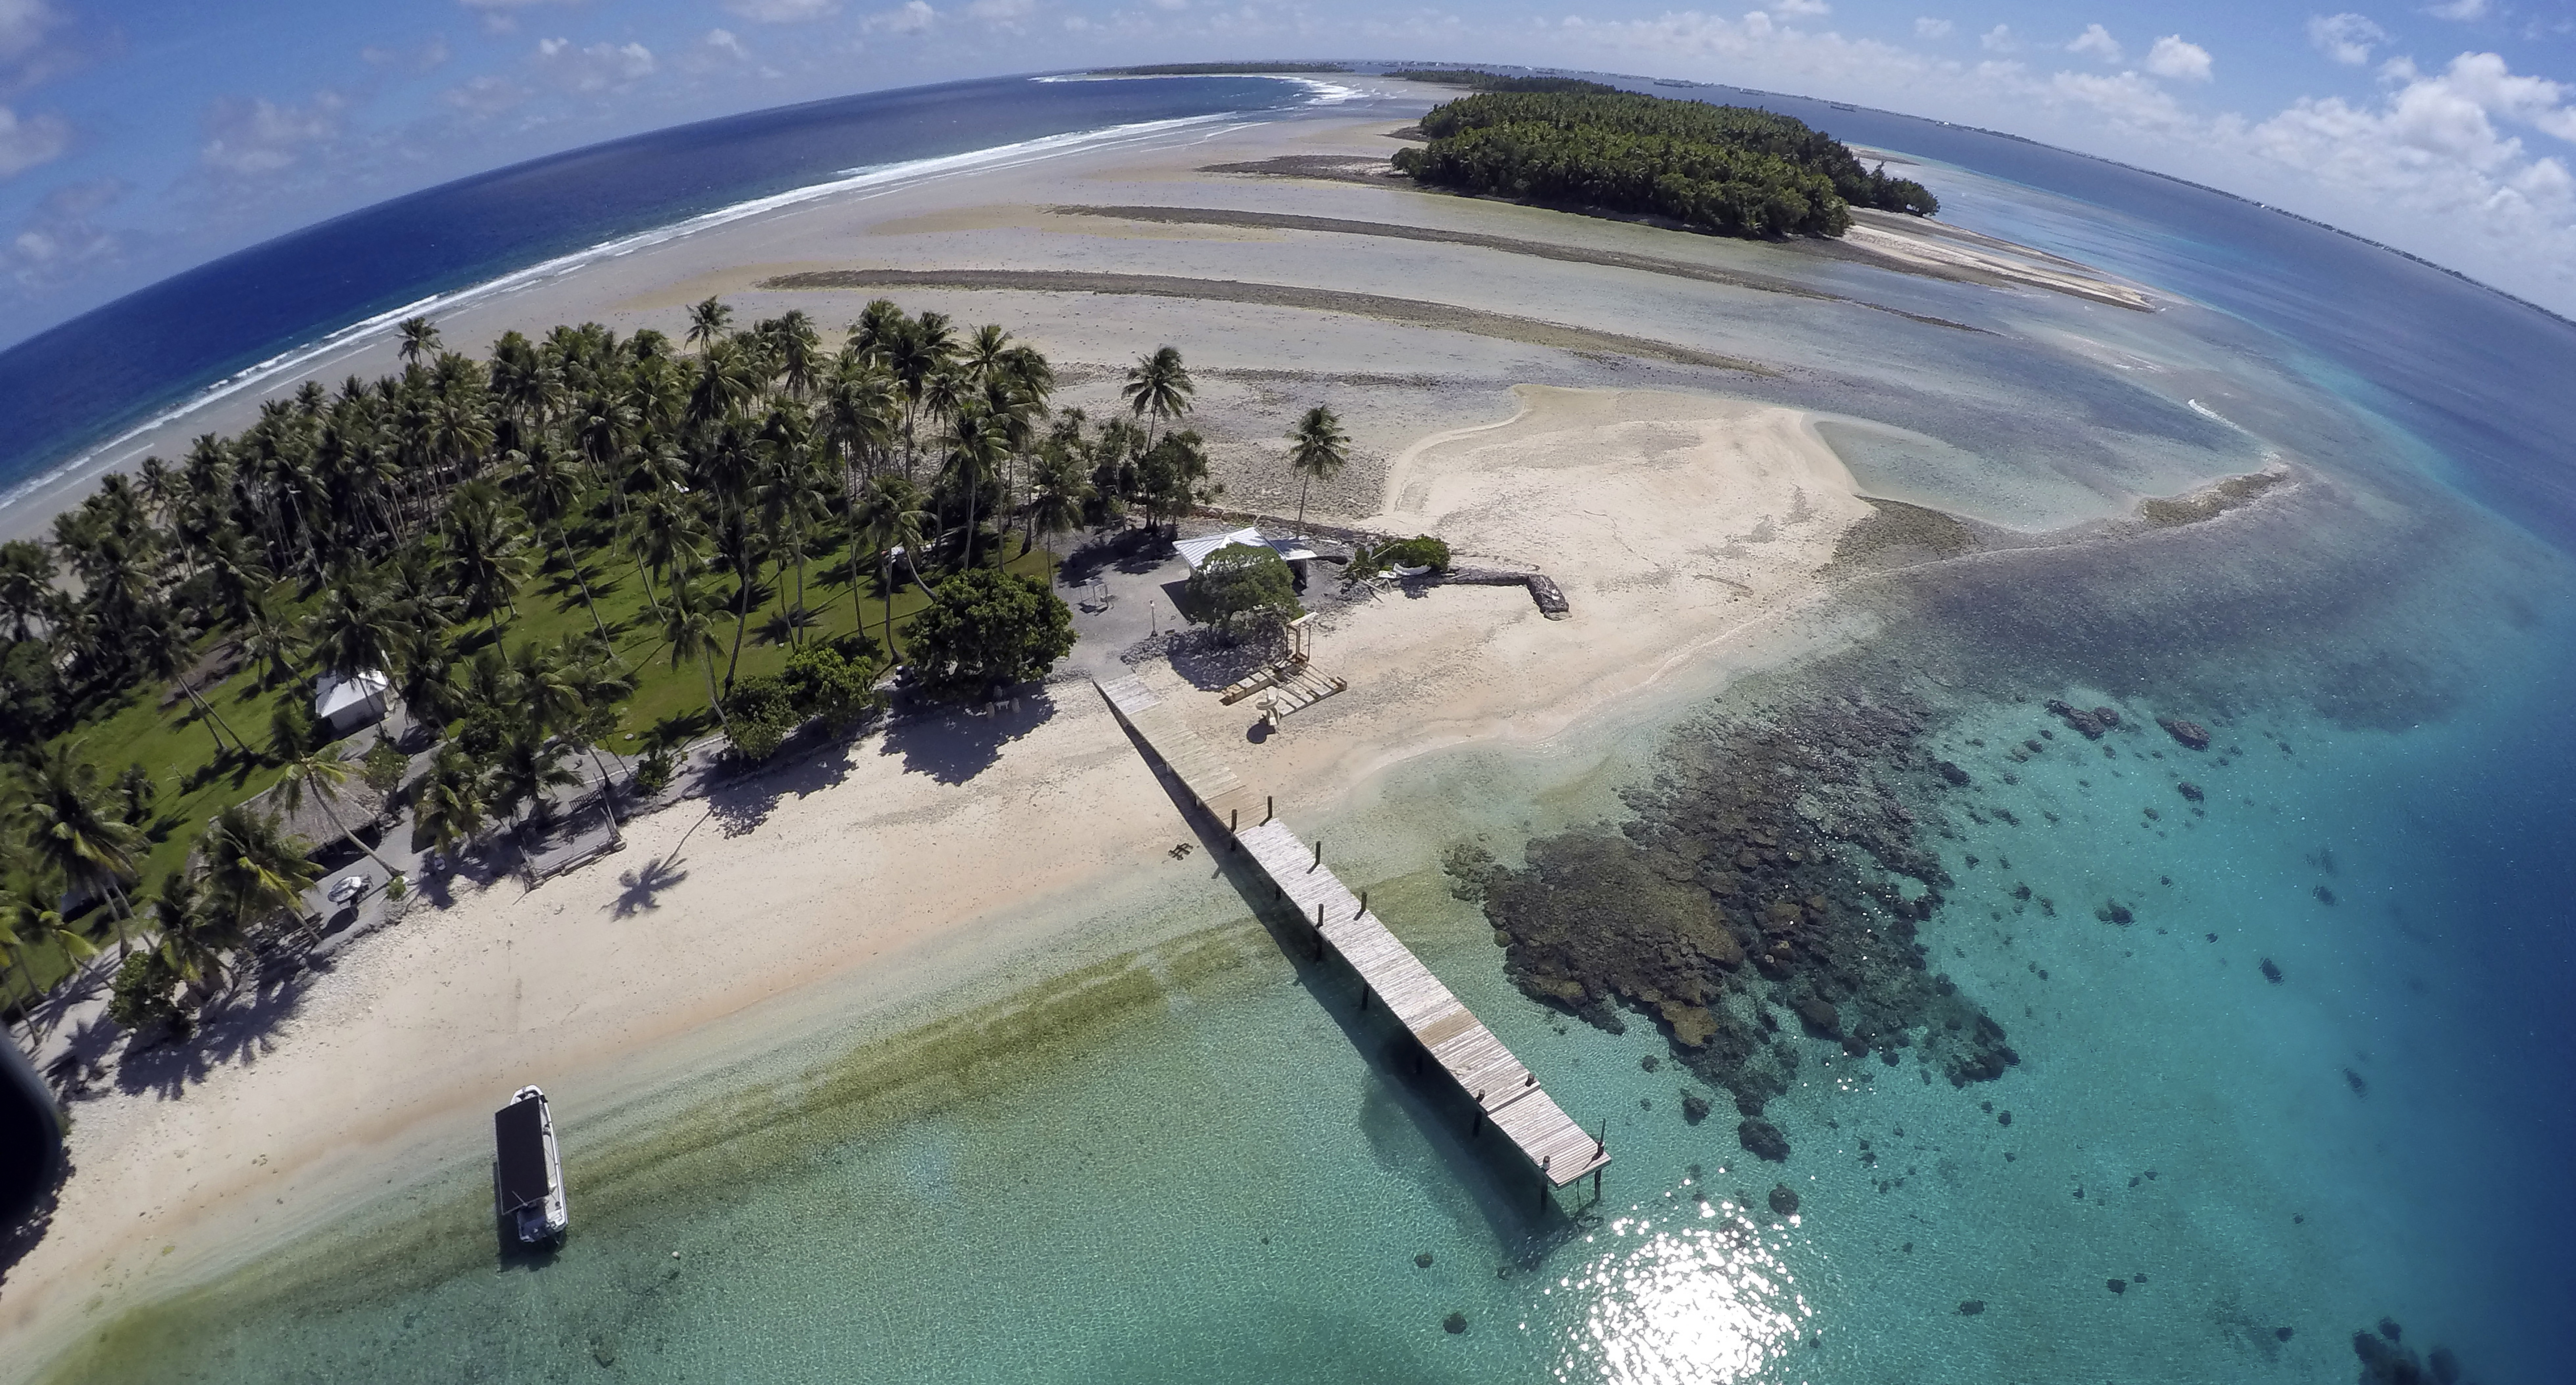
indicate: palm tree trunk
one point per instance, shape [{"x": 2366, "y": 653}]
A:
[
  {"x": 741, "y": 617},
  {"x": 607, "y": 798},
  {"x": 885, "y": 587},
  {"x": 646, "y": 572},
  {"x": 578, "y": 576},
  {"x": 796, "y": 628},
  {"x": 314, "y": 786},
  {"x": 708, "y": 658},
  {"x": 1301, "y": 502}
]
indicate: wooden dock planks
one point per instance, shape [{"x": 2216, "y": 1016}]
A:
[{"x": 1505, "y": 1090}]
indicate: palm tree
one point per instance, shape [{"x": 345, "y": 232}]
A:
[
  {"x": 161, "y": 648},
  {"x": 1159, "y": 386},
  {"x": 662, "y": 533},
  {"x": 352, "y": 629},
  {"x": 254, "y": 870},
  {"x": 482, "y": 543},
  {"x": 525, "y": 769},
  {"x": 688, "y": 633},
  {"x": 67, "y": 828},
  {"x": 450, "y": 808},
  {"x": 980, "y": 444},
  {"x": 196, "y": 936},
  {"x": 26, "y": 584},
  {"x": 1060, "y": 490},
  {"x": 893, "y": 518},
  {"x": 321, "y": 773},
  {"x": 24, "y": 925},
  {"x": 707, "y": 321},
  {"x": 419, "y": 338},
  {"x": 1318, "y": 451},
  {"x": 272, "y": 642},
  {"x": 597, "y": 686},
  {"x": 553, "y": 487}
]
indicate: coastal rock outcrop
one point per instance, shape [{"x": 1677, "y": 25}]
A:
[
  {"x": 1784, "y": 1199},
  {"x": 2190, "y": 733},
  {"x": 2089, "y": 722}
]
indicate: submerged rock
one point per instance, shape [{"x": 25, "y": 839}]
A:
[
  {"x": 1762, "y": 1139},
  {"x": 2090, "y": 724},
  {"x": 2189, "y": 790},
  {"x": 2190, "y": 733},
  {"x": 1454, "y": 1324},
  {"x": 1694, "y": 1107},
  {"x": 1784, "y": 1199},
  {"x": 2117, "y": 1286},
  {"x": 1971, "y": 1307},
  {"x": 2271, "y": 973}
]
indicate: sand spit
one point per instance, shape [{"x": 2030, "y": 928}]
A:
[{"x": 1407, "y": 311}]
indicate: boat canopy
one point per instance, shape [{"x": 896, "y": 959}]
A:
[{"x": 520, "y": 1132}]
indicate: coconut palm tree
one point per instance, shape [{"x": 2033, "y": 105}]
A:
[
  {"x": 321, "y": 773},
  {"x": 419, "y": 338},
  {"x": 1318, "y": 450},
  {"x": 892, "y": 516},
  {"x": 196, "y": 935},
  {"x": 1060, "y": 489},
  {"x": 160, "y": 648},
  {"x": 597, "y": 686},
  {"x": 253, "y": 869},
  {"x": 707, "y": 321},
  {"x": 26, "y": 584},
  {"x": 450, "y": 808},
  {"x": 65, "y": 824},
  {"x": 482, "y": 541},
  {"x": 688, "y": 632},
  {"x": 26, "y": 925},
  {"x": 1159, "y": 387},
  {"x": 273, "y": 642},
  {"x": 662, "y": 533},
  {"x": 352, "y": 630},
  {"x": 552, "y": 487},
  {"x": 980, "y": 443}
]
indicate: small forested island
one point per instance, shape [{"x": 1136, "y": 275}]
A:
[{"x": 1730, "y": 170}]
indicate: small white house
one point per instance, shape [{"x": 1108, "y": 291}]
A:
[{"x": 346, "y": 702}]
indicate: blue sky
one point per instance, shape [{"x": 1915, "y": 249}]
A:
[{"x": 139, "y": 137}]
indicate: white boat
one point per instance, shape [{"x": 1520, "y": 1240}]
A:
[{"x": 527, "y": 1172}]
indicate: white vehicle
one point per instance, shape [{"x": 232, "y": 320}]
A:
[
  {"x": 527, "y": 1175},
  {"x": 348, "y": 888}
]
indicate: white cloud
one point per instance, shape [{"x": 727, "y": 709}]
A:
[
  {"x": 2096, "y": 41},
  {"x": 485, "y": 95},
  {"x": 25, "y": 143},
  {"x": 722, "y": 41},
  {"x": 599, "y": 67},
  {"x": 2463, "y": 10},
  {"x": 2346, "y": 38},
  {"x": 2171, "y": 57},
  {"x": 1998, "y": 39},
  {"x": 1808, "y": 9},
  {"x": 782, "y": 11},
  {"x": 1005, "y": 13},
  {"x": 251, "y": 137},
  {"x": 22, "y": 26},
  {"x": 63, "y": 237},
  {"x": 914, "y": 17},
  {"x": 1933, "y": 28}
]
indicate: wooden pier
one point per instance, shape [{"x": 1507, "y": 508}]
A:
[{"x": 1505, "y": 1092}]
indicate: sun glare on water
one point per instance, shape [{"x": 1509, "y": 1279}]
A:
[{"x": 1675, "y": 1301}]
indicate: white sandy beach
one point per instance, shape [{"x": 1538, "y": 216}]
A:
[{"x": 1687, "y": 526}]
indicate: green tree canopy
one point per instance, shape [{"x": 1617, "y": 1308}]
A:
[
  {"x": 989, "y": 628},
  {"x": 1244, "y": 583}
]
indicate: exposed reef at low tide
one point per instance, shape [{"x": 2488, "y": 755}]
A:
[{"x": 1771, "y": 884}]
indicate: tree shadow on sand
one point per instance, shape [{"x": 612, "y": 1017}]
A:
[
  {"x": 955, "y": 747},
  {"x": 640, "y": 891},
  {"x": 814, "y": 759},
  {"x": 237, "y": 1027}
]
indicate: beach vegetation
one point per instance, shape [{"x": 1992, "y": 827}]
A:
[
  {"x": 1318, "y": 449},
  {"x": 574, "y": 543},
  {"x": 1731, "y": 170},
  {"x": 988, "y": 630},
  {"x": 1255, "y": 69},
  {"x": 142, "y": 997},
  {"x": 1244, "y": 585},
  {"x": 1420, "y": 551},
  {"x": 1479, "y": 80}
]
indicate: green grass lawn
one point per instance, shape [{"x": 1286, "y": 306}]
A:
[{"x": 174, "y": 744}]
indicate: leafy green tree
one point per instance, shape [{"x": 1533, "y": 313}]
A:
[
  {"x": 196, "y": 938},
  {"x": 1060, "y": 493},
  {"x": 139, "y": 998},
  {"x": 824, "y": 681},
  {"x": 1318, "y": 450},
  {"x": 988, "y": 628},
  {"x": 1244, "y": 583},
  {"x": 1172, "y": 477},
  {"x": 26, "y": 584},
  {"x": 892, "y": 517},
  {"x": 26, "y": 925}
]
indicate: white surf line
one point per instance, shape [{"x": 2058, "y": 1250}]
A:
[
  {"x": 873, "y": 180},
  {"x": 2209, "y": 413}
]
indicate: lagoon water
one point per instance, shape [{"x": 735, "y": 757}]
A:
[{"x": 1203, "y": 1162}]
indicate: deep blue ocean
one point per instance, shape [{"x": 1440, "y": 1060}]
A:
[
  {"x": 78, "y": 384},
  {"x": 2270, "y": 1166}
]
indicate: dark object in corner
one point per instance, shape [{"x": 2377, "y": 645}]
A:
[
  {"x": 31, "y": 1136},
  {"x": 1972, "y": 1307},
  {"x": 1454, "y": 1324},
  {"x": 2271, "y": 973},
  {"x": 2117, "y": 1286},
  {"x": 1784, "y": 1199},
  {"x": 2354, "y": 1080}
]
